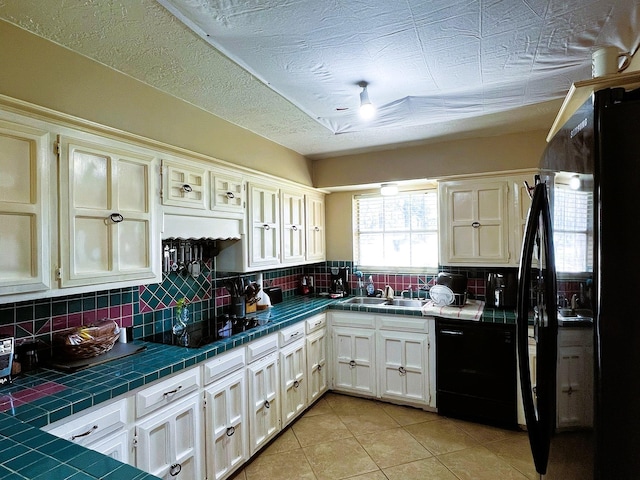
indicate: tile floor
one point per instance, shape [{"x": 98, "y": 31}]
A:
[{"x": 347, "y": 437}]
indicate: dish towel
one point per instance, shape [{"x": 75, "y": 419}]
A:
[{"x": 472, "y": 310}]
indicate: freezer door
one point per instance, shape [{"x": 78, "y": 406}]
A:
[{"x": 537, "y": 304}]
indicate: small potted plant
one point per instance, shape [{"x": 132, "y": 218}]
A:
[{"x": 181, "y": 317}]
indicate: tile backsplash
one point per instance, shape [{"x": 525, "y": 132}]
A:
[{"x": 149, "y": 309}]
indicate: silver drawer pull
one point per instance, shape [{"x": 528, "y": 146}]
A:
[
  {"x": 88, "y": 432},
  {"x": 171, "y": 392}
]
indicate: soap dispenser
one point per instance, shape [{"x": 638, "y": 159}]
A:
[{"x": 371, "y": 289}]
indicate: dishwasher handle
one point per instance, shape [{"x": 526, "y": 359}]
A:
[{"x": 451, "y": 332}]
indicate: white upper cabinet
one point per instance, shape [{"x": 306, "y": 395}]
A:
[
  {"x": 293, "y": 227},
  {"x": 227, "y": 192},
  {"x": 474, "y": 222},
  {"x": 24, "y": 209},
  {"x": 264, "y": 225},
  {"x": 316, "y": 251},
  {"x": 183, "y": 185},
  {"x": 107, "y": 226},
  {"x": 482, "y": 219}
]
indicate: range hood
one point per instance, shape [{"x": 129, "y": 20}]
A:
[{"x": 193, "y": 227}]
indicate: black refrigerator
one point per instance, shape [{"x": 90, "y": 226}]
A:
[{"x": 598, "y": 152}]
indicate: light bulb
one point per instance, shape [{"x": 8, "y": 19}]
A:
[
  {"x": 367, "y": 110},
  {"x": 574, "y": 182}
]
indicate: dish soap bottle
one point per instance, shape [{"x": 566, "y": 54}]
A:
[{"x": 370, "y": 287}]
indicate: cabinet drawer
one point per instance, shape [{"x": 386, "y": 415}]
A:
[
  {"x": 261, "y": 347},
  {"x": 348, "y": 319},
  {"x": 166, "y": 391},
  {"x": 316, "y": 322},
  {"x": 223, "y": 365},
  {"x": 292, "y": 333},
  {"x": 93, "y": 425},
  {"x": 404, "y": 324}
]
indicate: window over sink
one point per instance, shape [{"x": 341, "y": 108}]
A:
[{"x": 396, "y": 231}]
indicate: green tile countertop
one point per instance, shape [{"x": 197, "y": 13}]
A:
[{"x": 45, "y": 396}]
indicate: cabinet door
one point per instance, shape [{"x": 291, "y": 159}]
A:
[
  {"x": 170, "y": 443},
  {"x": 404, "y": 374},
  {"x": 183, "y": 185},
  {"x": 24, "y": 209},
  {"x": 264, "y": 220},
  {"x": 107, "y": 228},
  {"x": 293, "y": 230},
  {"x": 316, "y": 251},
  {"x": 117, "y": 446},
  {"x": 354, "y": 357},
  {"x": 572, "y": 393},
  {"x": 475, "y": 223},
  {"x": 317, "y": 379},
  {"x": 226, "y": 425},
  {"x": 264, "y": 401},
  {"x": 293, "y": 368},
  {"x": 227, "y": 192},
  {"x": 520, "y": 203}
]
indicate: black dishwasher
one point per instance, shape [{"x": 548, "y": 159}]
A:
[{"x": 476, "y": 371}]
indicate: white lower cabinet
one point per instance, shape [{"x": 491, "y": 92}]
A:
[
  {"x": 293, "y": 371},
  {"x": 227, "y": 432},
  {"x": 117, "y": 446},
  {"x": 574, "y": 400},
  {"x": 317, "y": 371},
  {"x": 385, "y": 356},
  {"x": 354, "y": 357},
  {"x": 403, "y": 374},
  {"x": 170, "y": 442},
  {"x": 105, "y": 429},
  {"x": 264, "y": 401}
]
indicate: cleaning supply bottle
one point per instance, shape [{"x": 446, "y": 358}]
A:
[{"x": 370, "y": 287}]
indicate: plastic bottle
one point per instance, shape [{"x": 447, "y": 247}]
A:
[{"x": 370, "y": 287}]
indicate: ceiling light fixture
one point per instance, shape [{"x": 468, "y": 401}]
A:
[
  {"x": 574, "y": 182},
  {"x": 388, "y": 189},
  {"x": 367, "y": 110}
]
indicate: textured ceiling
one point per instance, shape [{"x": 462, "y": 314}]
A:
[{"x": 436, "y": 69}]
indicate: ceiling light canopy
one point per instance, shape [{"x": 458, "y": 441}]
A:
[
  {"x": 367, "y": 109},
  {"x": 388, "y": 189}
]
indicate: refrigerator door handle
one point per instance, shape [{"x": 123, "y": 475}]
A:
[{"x": 540, "y": 415}]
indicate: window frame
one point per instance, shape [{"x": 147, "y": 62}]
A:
[{"x": 394, "y": 268}]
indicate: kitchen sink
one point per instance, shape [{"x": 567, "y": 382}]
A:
[
  {"x": 366, "y": 300},
  {"x": 383, "y": 302},
  {"x": 405, "y": 302},
  {"x": 575, "y": 317},
  {"x": 575, "y": 313}
]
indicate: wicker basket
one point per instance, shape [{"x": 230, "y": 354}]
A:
[{"x": 88, "y": 340}]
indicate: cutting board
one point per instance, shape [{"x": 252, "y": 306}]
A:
[{"x": 119, "y": 350}]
